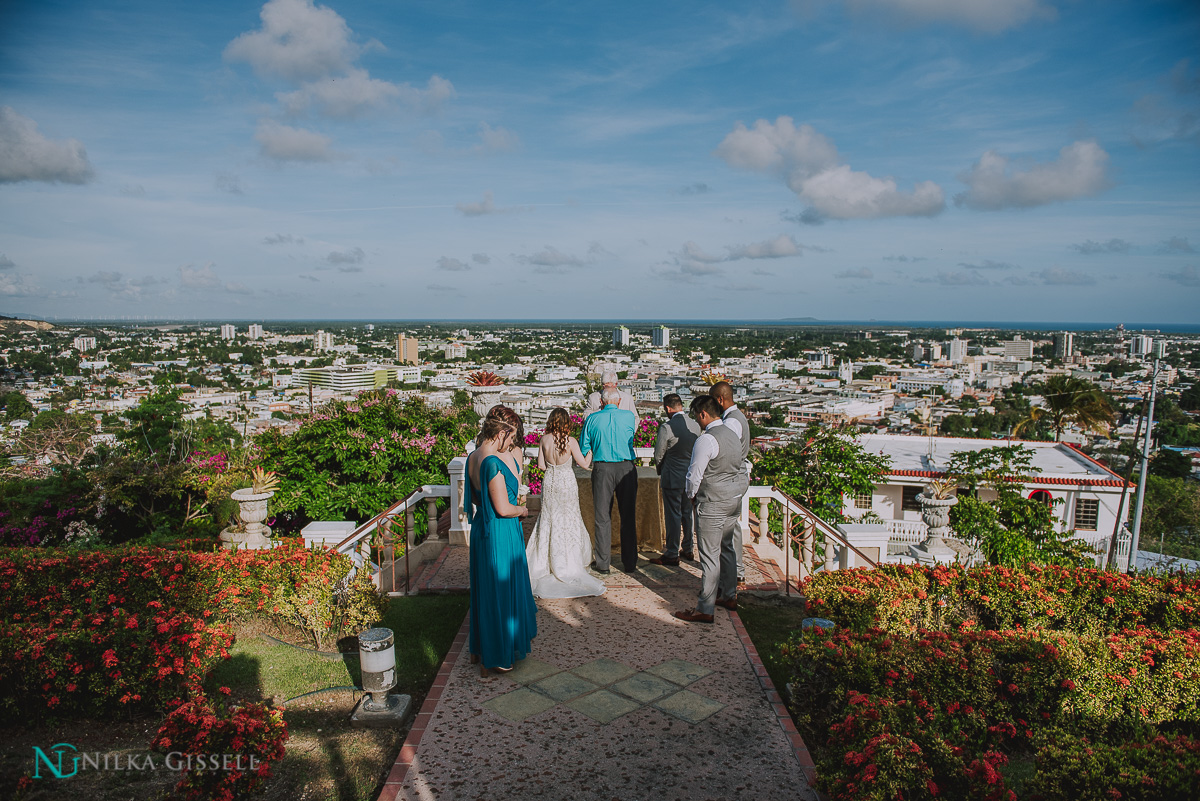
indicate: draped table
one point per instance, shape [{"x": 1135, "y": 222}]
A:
[{"x": 650, "y": 525}]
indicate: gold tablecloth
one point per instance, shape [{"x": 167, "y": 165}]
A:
[{"x": 650, "y": 525}]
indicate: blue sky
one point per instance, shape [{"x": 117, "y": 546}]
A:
[{"x": 1027, "y": 160}]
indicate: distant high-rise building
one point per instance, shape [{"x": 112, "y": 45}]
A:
[
  {"x": 406, "y": 350},
  {"x": 84, "y": 344},
  {"x": 660, "y": 337},
  {"x": 322, "y": 341},
  {"x": 918, "y": 352},
  {"x": 1160, "y": 348},
  {"x": 1018, "y": 348},
  {"x": 370, "y": 327},
  {"x": 620, "y": 336},
  {"x": 255, "y": 331},
  {"x": 228, "y": 331},
  {"x": 455, "y": 350},
  {"x": 1140, "y": 345},
  {"x": 956, "y": 351},
  {"x": 1064, "y": 345}
]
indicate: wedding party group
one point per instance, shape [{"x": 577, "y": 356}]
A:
[{"x": 701, "y": 457}]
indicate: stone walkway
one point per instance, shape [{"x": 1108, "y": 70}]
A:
[{"x": 619, "y": 700}]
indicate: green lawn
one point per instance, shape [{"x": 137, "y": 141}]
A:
[{"x": 768, "y": 625}]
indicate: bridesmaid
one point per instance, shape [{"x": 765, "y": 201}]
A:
[{"x": 503, "y": 620}]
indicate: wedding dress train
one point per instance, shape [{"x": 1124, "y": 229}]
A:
[{"x": 560, "y": 547}]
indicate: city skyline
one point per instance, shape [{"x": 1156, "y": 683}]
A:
[{"x": 1018, "y": 160}]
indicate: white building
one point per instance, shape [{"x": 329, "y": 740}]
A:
[
  {"x": 322, "y": 341},
  {"x": 956, "y": 351},
  {"x": 1064, "y": 345},
  {"x": 351, "y": 379},
  {"x": 255, "y": 331},
  {"x": 1140, "y": 345},
  {"x": 84, "y": 344},
  {"x": 1018, "y": 348},
  {"x": 620, "y": 336},
  {"x": 660, "y": 337},
  {"x": 1084, "y": 493},
  {"x": 228, "y": 331},
  {"x": 455, "y": 350}
]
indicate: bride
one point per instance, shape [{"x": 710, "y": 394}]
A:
[{"x": 560, "y": 547}]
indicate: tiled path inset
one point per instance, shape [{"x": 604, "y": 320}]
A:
[{"x": 618, "y": 700}]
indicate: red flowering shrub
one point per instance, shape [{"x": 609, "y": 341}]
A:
[
  {"x": 1154, "y": 767},
  {"x": 227, "y": 752},
  {"x": 100, "y": 631}
]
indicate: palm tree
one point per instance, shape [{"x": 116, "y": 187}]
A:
[{"x": 1067, "y": 399}]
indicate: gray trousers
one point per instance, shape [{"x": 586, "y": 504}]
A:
[
  {"x": 620, "y": 479},
  {"x": 679, "y": 516},
  {"x": 718, "y": 563}
]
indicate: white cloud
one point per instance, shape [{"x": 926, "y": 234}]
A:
[
  {"x": 1176, "y": 244},
  {"x": 695, "y": 189},
  {"x": 693, "y": 259},
  {"x": 481, "y": 258},
  {"x": 1091, "y": 248},
  {"x": 1058, "y": 276},
  {"x": 496, "y": 140},
  {"x": 27, "y": 155},
  {"x": 982, "y": 16},
  {"x": 227, "y": 182},
  {"x": 431, "y": 98},
  {"x": 283, "y": 239},
  {"x": 13, "y": 285},
  {"x": 105, "y": 277},
  {"x": 1186, "y": 276},
  {"x": 987, "y": 264},
  {"x": 199, "y": 278},
  {"x": 864, "y": 273},
  {"x": 905, "y": 258},
  {"x": 480, "y": 208},
  {"x": 298, "y": 41},
  {"x": 452, "y": 265},
  {"x": 1173, "y": 114},
  {"x": 346, "y": 257},
  {"x": 346, "y": 95},
  {"x": 6, "y": 263},
  {"x": 809, "y": 164},
  {"x": 995, "y": 183},
  {"x": 780, "y": 246},
  {"x": 284, "y": 143},
  {"x": 443, "y": 288},
  {"x": 957, "y": 278},
  {"x": 551, "y": 257}
]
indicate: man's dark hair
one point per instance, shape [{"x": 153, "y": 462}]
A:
[
  {"x": 673, "y": 401},
  {"x": 721, "y": 390},
  {"x": 706, "y": 404}
]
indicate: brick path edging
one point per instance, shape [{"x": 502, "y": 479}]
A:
[
  {"x": 408, "y": 751},
  {"x": 782, "y": 716}
]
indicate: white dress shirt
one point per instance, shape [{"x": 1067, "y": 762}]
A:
[
  {"x": 735, "y": 425},
  {"x": 703, "y": 451}
]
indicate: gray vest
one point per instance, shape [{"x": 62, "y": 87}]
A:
[
  {"x": 725, "y": 477},
  {"x": 736, "y": 413}
]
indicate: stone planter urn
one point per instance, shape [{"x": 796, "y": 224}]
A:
[
  {"x": 252, "y": 510},
  {"x": 935, "y": 513}
]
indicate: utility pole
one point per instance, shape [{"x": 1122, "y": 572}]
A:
[{"x": 1141, "y": 491}]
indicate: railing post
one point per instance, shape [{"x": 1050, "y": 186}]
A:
[
  {"x": 460, "y": 532},
  {"x": 807, "y": 547},
  {"x": 764, "y": 518},
  {"x": 431, "y": 514}
]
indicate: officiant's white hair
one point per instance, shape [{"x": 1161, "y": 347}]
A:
[
  {"x": 609, "y": 376},
  {"x": 610, "y": 395}
]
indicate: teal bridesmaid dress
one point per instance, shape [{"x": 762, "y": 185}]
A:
[{"x": 503, "y": 613}]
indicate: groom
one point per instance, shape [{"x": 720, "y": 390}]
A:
[{"x": 609, "y": 432}]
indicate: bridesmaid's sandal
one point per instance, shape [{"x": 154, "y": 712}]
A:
[{"x": 474, "y": 659}]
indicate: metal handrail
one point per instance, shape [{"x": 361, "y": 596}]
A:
[{"x": 356, "y": 538}]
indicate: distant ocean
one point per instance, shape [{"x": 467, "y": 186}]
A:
[{"x": 1166, "y": 328}]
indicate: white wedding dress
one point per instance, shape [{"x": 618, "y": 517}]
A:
[{"x": 560, "y": 548}]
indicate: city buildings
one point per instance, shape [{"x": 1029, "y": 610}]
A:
[
  {"x": 84, "y": 344},
  {"x": 620, "y": 336},
  {"x": 956, "y": 351},
  {"x": 455, "y": 350},
  {"x": 660, "y": 337},
  {"x": 1064, "y": 345},
  {"x": 228, "y": 331},
  {"x": 353, "y": 379},
  {"x": 255, "y": 331},
  {"x": 406, "y": 349},
  {"x": 322, "y": 341},
  {"x": 1018, "y": 348},
  {"x": 1140, "y": 345}
]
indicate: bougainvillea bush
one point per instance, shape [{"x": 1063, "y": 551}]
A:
[
  {"x": 99, "y": 632},
  {"x": 936, "y": 678}
]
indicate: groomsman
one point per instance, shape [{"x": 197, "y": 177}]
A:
[
  {"x": 608, "y": 380},
  {"x": 672, "y": 455},
  {"x": 732, "y": 416},
  {"x": 717, "y": 480}
]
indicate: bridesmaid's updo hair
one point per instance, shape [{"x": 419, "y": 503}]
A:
[
  {"x": 499, "y": 418},
  {"x": 559, "y": 424}
]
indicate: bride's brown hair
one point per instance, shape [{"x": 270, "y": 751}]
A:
[{"x": 559, "y": 424}]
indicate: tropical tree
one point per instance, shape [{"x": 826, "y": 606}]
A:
[
  {"x": 821, "y": 469},
  {"x": 1067, "y": 399}
]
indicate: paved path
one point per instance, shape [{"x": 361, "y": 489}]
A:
[{"x": 619, "y": 700}]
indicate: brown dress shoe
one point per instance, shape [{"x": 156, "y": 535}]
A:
[
  {"x": 665, "y": 561},
  {"x": 694, "y": 616},
  {"x": 728, "y": 603}
]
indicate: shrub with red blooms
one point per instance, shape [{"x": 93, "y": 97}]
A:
[
  {"x": 200, "y": 730},
  {"x": 904, "y": 598},
  {"x": 102, "y": 631},
  {"x": 937, "y": 675},
  {"x": 1077, "y": 769}
]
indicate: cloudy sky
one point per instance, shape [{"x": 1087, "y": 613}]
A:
[{"x": 1026, "y": 160}]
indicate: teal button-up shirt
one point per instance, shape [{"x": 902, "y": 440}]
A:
[{"x": 610, "y": 432}]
